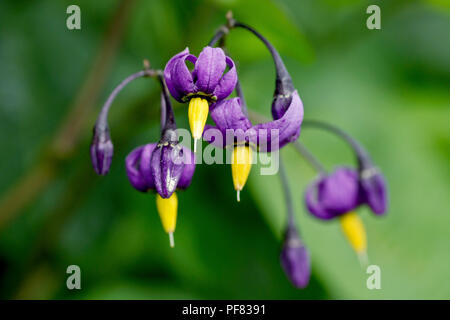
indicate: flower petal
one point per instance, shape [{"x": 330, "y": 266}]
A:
[
  {"x": 374, "y": 188},
  {"x": 313, "y": 205},
  {"x": 167, "y": 167},
  {"x": 227, "y": 83},
  {"x": 209, "y": 69},
  {"x": 189, "y": 168},
  {"x": 275, "y": 134},
  {"x": 178, "y": 78},
  {"x": 134, "y": 173},
  {"x": 228, "y": 114},
  {"x": 334, "y": 194}
]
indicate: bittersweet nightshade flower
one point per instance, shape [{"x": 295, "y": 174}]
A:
[
  {"x": 164, "y": 167},
  {"x": 338, "y": 195},
  {"x": 373, "y": 188},
  {"x": 230, "y": 118},
  {"x": 333, "y": 195},
  {"x": 295, "y": 259},
  {"x": 206, "y": 83}
]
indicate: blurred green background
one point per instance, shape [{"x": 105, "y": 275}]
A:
[{"x": 389, "y": 88}]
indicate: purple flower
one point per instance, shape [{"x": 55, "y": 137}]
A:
[
  {"x": 101, "y": 150},
  {"x": 160, "y": 167},
  {"x": 270, "y": 136},
  {"x": 344, "y": 190},
  {"x": 333, "y": 195},
  {"x": 295, "y": 259},
  {"x": 207, "y": 79}
]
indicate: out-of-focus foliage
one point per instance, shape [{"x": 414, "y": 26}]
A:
[{"x": 388, "y": 88}]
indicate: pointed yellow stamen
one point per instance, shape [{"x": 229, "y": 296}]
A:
[
  {"x": 241, "y": 163},
  {"x": 198, "y": 113},
  {"x": 167, "y": 209},
  {"x": 353, "y": 228}
]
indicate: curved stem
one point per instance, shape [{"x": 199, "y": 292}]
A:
[
  {"x": 284, "y": 83},
  {"x": 220, "y": 37},
  {"x": 102, "y": 121},
  {"x": 364, "y": 160},
  {"x": 167, "y": 115},
  {"x": 305, "y": 153}
]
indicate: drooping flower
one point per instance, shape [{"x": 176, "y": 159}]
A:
[
  {"x": 234, "y": 129},
  {"x": 205, "y": 84},
  {"x": 334, "y": 195},
  {"x": 339, "y": 194},
  {"x": 237, "y": 131},
  {"x": 163, "y": 167},
  {"x": 295, "y": 259}
]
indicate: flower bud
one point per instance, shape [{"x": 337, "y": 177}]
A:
[
  {"x": 101, "y": 150},
  {"x": 167, "y": 165},
  {"x": 295, "y": 259}
]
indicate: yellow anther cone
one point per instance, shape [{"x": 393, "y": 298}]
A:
[
  {"x": 354, "y": 230},
  {"x": 241, "y": 163},
  {"x": 167, "y": 209},
  {"x": 198, "y": 113}
]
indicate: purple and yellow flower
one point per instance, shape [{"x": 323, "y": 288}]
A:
[
  {"x": 234, "y": 129},
  {"x": 340, "y": 193},
  {"x": 163, "y": 167},
  {"x": 207, "y": 83}
]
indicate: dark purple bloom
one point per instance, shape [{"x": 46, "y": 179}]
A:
[
  {"x": 333, "y": 195},
  {"x": 270, "y": 136},
  {"x": 207, "y": 79},
  {"x": 101, "y": 150},
  {"x": 163, "y": 168},
  {"x": 295, "y": 259}
]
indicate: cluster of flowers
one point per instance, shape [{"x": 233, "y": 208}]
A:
[{"x": 166, "y": 166}]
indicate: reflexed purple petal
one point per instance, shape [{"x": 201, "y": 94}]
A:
[
  {"x": 189, "y": 168},
  {"x": 209, "y": 68},
  {"x": 167, "y": 167},
  {"x": 228, "y": 114},
  {"x": 279, "y": 106},
  {"x": 101, "y": 151},
  {"x": 178, "y": 78},
  {"x": 145, "y": 164},
  {"x": 313, "y": 205},
  {"x": 334, "y": 194},
  {"x": 132, "y": 165},
  {"x": 286, "y": 129},
  {"x": 295, "y": 260},
  {"x": 227, "y": 83},
  {"x": 374, "y": 189}
]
